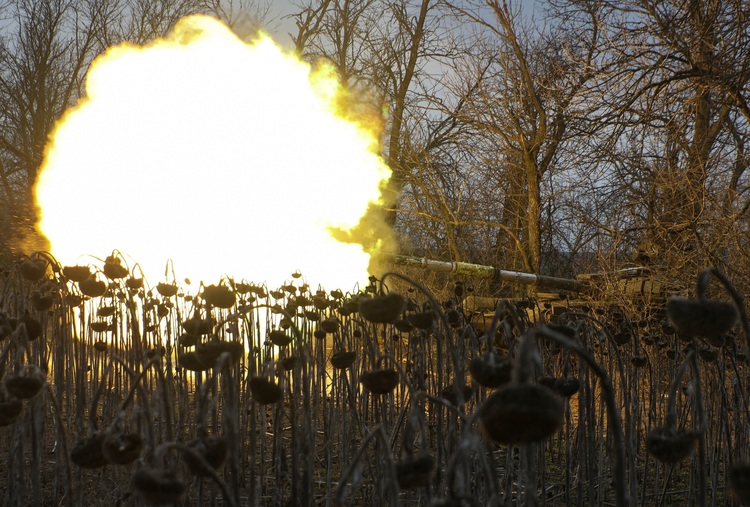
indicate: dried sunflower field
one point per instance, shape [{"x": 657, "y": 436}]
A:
[{"x": 118, "y": 392}]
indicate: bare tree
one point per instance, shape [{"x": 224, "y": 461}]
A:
[
  {"x": 45, "y": 53},
  {"x": 673, "y": 105},
  {"x": 524, "y": 106},
  {"x": 381, "y": 50}
]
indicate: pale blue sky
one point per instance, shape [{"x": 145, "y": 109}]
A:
[{"x": 280, "y": 25}]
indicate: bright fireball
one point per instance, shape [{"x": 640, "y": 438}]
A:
[{"x": 229, "y": 158}]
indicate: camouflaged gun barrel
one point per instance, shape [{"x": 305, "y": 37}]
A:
[{"x": 487, "y": 272}]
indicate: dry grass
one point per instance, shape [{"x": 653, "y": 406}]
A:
[{"x": 277, "y": 424}]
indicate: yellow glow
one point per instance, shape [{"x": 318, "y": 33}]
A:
[{"x": 226, "y": 157}]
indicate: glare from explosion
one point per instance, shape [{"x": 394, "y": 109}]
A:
[{"x": 226, "y": 157}]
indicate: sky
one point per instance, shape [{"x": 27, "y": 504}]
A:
[{"x": 280, "y": 25}]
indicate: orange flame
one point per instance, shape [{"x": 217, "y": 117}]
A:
[{"x": 224, "y": 156}]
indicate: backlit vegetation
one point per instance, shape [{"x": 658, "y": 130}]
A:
[{"x": 118, "y": 389}]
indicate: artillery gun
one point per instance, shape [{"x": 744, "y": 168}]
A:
[
  {"x": 488, "y": 272},
  {"x": 636, "y": 285}
]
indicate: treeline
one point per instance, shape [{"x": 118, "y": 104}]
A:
[{"x": 581, "y": 135}]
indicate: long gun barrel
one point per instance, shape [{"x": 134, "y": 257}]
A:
[{"x": 487, "y": 272}]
